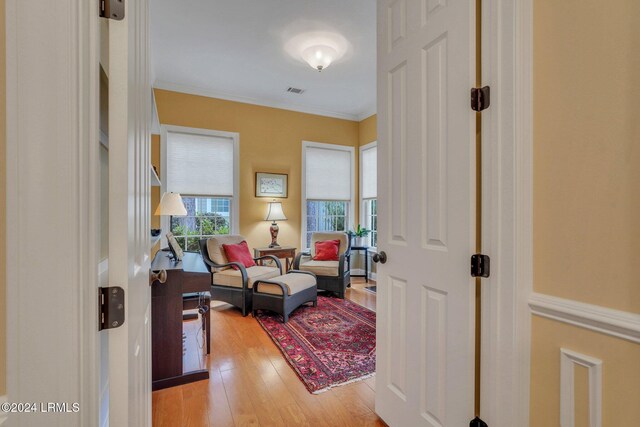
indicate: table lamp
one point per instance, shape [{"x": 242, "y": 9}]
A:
[
  {"x": 171, "y": 205},
  {"x": 275, "y": 214}
]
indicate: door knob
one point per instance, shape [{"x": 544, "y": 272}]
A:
[
  {"x": 160, "y": 276},
  {"x": 380, "y": 257}
]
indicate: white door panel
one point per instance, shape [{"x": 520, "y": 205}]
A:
[
  {"x": 426, "y": 211},
  {"x": 129, "y": 346}
]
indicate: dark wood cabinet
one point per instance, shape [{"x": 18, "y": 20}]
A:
[{"x": 187, "y": 276}]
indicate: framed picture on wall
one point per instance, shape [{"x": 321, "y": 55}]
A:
[{"x": 271, "y": 184}]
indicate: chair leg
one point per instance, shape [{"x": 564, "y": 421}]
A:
[
  {"x": 315, "y": 303},
  {"x": 286, "y": 318}
]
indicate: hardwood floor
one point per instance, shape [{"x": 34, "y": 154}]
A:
[{"x": 251, "y": 384}]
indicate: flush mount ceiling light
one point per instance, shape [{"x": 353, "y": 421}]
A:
[
  {"x": 319, "y": 56},
  {"x": 319, "y": 49}
]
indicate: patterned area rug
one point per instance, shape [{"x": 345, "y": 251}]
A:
[{"x": 329, "y": 345}]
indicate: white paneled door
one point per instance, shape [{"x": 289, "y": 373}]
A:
[
  {"x": 426, "y": 212},
  {"x": 129, "y": 346}
]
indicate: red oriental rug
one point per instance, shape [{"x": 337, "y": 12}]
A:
[{"x": 329, "y": 345}]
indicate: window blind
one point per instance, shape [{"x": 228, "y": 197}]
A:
[
  {"x": 328, "y": 174},
  {"x": 200, "y": 165},
  {"x": 369, "y": 173}
]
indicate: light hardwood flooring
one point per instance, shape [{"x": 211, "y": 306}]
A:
[{"x": 251, "y": 384}]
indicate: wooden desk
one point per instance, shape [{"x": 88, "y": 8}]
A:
[
  {"x": 288, "y": 253},
  {"x": 186, "y": 276}
]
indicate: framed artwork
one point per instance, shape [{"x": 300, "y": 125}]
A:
[{"x": 271, "y": 184}]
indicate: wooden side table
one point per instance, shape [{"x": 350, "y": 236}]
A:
[
  {"x": 288, "y": 253},
  {"x": 365, "y": 249}
]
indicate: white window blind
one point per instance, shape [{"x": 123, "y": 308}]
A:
[
  {"x": 199, "y": 165},
  {"x": 328, "y": 174},
  {"x": 369, "y": 173}
]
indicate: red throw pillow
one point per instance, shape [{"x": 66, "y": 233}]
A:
[
  {"x": 327, "y": 250},
  {"x": 239, "y": 253}
]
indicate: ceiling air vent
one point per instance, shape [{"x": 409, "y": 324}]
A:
[{"x": 295, "y": 90}]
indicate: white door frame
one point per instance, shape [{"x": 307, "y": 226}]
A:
[
  {"x": 52, "y": 208},
  {"x": 507, "y": 213}
]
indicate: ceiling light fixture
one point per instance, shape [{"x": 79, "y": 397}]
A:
[{"x": 319, "y": 56}]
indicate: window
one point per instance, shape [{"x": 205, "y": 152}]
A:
[
  {"x": 202, "y": 166},
  {"x": 206, "y": 216},
  {"x": 370, "y": 211},
  {"x": 326, "y": 215},
  {"x": 328, "y": 188},
  {"x": 369, "y": 190}
]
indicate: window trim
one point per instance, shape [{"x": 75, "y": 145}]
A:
[
  {"x": 235, "y": 200},
  {"x": 360, "y": 173},
  {"x": 303, "y": 186}
]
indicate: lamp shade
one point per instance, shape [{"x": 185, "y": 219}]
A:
[
  {"x": 171, "y": 204},
  {"x": 275, "y": 212}
]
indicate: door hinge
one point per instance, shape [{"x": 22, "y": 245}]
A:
[
  {"x": 110, "y": 307},
  {"x": 477, "y": 422},
  {"x": 112, "y": 9},
  {"x": 480, "y": 98},
  {"x": 480, "y": 265}
]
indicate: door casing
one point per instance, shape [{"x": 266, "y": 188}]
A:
[
  {"x": 507, "y": 211},
  {"x": 52, "y": 206}
]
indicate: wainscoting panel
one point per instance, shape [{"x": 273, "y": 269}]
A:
[{"x": 568, "y": 361}]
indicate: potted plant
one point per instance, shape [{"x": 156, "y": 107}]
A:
[{"x": 358, "y": 236}]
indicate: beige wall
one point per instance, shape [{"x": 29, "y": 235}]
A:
[
  {"x": 3, "y": 203},
  {"x": 367, "y": 130},
  {"x": 270, "y": 141},
  {"x": 586, "y": 192},
  {"x": 587, "y": 151}
]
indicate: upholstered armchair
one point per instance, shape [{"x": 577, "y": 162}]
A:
[
  {"x": 234, "y": 285},
  {"x": 332, "y": 276}
]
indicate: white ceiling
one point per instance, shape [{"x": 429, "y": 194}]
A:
[{"x": 235, "y": 49}]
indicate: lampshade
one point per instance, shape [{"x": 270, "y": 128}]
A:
[
  {"x": 171, "y": 204},
  {"x": 275, "y": 212},
  {"x": 319, "y": 56}
]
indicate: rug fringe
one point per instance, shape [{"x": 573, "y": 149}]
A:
[{"x": 344, "y": 383}]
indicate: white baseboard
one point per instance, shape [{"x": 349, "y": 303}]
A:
[
  {"x": 617, "y": 323},
  {"x": 360, "y": 271}
]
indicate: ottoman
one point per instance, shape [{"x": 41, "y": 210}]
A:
[{"x": 285, "y": 293}]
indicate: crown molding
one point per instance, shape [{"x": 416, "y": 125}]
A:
[
  {"x": 367, "y": 114},
  {"x": 191, "y": 90},
  {"x": 616, "y": 323}
]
